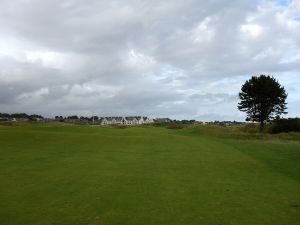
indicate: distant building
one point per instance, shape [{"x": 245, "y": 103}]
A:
[
  {"x": 129, "y": 120},
  {"x": 162, "y": 120},
  {"x": 18, "y": 119}
]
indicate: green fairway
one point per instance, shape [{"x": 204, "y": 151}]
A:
[{"x": 71, "y": 175}]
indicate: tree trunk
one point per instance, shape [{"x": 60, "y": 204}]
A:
[{"x": 261, "y": 127}]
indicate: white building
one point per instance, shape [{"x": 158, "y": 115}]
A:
[{"x": 129, "y": 120}]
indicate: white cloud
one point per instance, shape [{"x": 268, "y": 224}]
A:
[
  {"x": 47, "y": 58},
  {"x": 253, "y": 30},
  {"x": 137, "y": 60},
  {"x": 203, "y": 32},
  {"x": 266, "y": 54}
]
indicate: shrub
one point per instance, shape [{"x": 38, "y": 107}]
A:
[
  {"x": 251, "y": 128},
  {"x": 175, "y": 126},
  {"x": 285, "y": 125}
]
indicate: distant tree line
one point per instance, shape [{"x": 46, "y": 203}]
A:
[
  {"x": 20, "y": 116},
  {"x": 275, "y": 126},
  {"x": 184, "y": 121},
  {"x": 225, "y": 123},
  {"x": 75, "y": 118}
]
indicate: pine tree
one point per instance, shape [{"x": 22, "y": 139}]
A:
[{"x": 263, "y": 99}]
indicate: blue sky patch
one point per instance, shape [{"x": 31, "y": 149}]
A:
[{"x": 283, "y": 2}]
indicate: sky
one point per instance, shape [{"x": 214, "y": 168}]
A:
[{"x": 183, "y": 59}]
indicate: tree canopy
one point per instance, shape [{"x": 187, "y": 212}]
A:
[{"x": 263, "y": 99}]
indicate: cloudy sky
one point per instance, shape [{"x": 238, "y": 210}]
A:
[{"x": 171, "y": 58}]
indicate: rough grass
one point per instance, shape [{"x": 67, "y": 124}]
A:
[
  {"x": 68, "y": 174},
  {"x": 241, "y": 132}
]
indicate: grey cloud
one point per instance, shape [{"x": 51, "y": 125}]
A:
[{"x": 181, "y": 59}]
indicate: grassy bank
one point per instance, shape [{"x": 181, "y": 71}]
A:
[{"x": 68, "y": 174}]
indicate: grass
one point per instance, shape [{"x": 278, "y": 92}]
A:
[{"x": 70, "y": 174}]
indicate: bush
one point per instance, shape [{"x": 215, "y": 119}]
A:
[
  {"x": 285, "y": 125},
  {"x": 251, "y": 128},
  {"x": 175, "y": 126}
]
